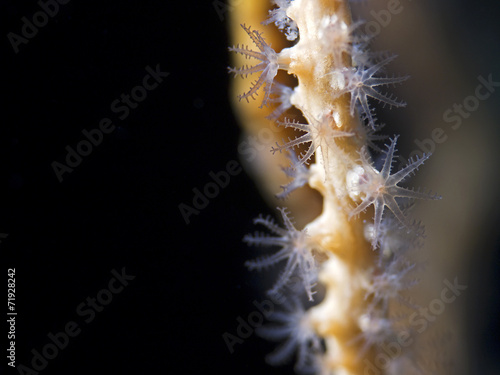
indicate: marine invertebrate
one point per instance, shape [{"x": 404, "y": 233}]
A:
[
  {"x": 319, "y": 134},
  {"x": 360, "y": 255},
  {"x": 296, "y": 248},
  {"x": 293, "y": 327},
  {"x": 269, "y": 65},
  {"x": 381, "y": 189},
  {"x": 361, "y": 83}
]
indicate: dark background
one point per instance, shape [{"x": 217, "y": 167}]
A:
[{"x": 119, "y": 207}]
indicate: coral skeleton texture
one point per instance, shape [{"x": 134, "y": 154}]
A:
[{"x": 358, "y": 253}]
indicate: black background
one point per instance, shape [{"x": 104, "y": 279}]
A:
[{"x": 119, "y": 207}]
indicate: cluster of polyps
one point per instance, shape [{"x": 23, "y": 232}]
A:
[{"x": 362, "y": 263}]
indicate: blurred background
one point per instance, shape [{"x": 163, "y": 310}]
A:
[{"x": 120, "y": 206}]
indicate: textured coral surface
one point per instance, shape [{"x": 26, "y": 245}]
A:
[{"x": 359, "y": 245}]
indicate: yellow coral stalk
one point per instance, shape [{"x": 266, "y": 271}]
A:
[{"x": 359, "y": 257}]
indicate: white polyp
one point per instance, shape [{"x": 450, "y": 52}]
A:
[
  {"x": 338, "y": 80},
  {"x": 369, "y": 232},
  {"x": 333, "y": 32},
  {"x": 374, "y": 326},
  {"x": 336, "y": 117},
  {"x": 353, "y": 182},
  {"x": 364, "y": 322}
]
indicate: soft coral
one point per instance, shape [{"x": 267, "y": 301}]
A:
[
  {"x": 362, "y": 82},
  {"x": 293, "y": 325},
  {"x": 269, "y": 65},
  {"x": 295, "y": 248},
  {"x": 319, "y": 133},
  {"x": 381, "y": 189}
]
